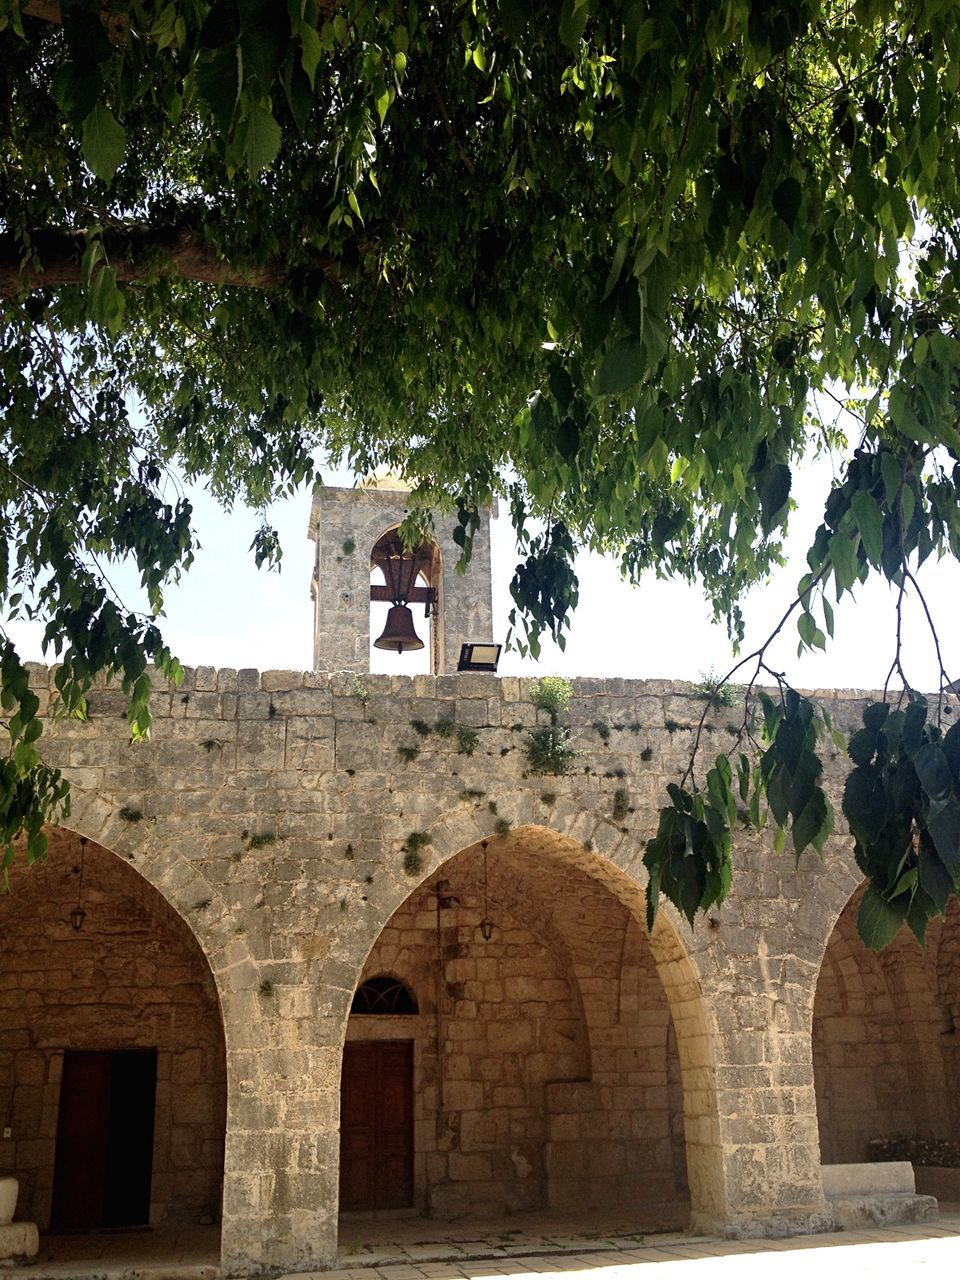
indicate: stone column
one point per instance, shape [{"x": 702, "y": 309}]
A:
[
  {"x": 760, "y": 984},
  {"x": 280, "y": 1193}
]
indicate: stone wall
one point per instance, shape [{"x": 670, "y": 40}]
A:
[
  {"x": 284, "y": 802},
  {"x": 132, "y": 977}
]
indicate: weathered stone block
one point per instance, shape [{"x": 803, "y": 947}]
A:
[{"x": 19, "y": 1241}]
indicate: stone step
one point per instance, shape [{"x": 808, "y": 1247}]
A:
[
  {"x": 887, "y": 1177},
  {"x": 879, "y": 1210},
  {"x": 18, "y": 1241}
]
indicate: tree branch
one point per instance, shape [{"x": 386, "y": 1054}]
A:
[
  {"x": 47, "y": 10},
  {"x": 134, "y": 253},
  {"x": 118, "y": 24},
  {"x": 758, "y": 654}
]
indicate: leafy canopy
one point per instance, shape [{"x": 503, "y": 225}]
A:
[{"x": 606, "y": 249}]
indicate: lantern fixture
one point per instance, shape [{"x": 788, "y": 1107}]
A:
[
  {"x": 486, "y": 924},
  {"x": 78, "y": 915}
]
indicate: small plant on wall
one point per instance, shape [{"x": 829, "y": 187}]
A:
[
  {"x": 411, "y": 850},
  {"x": 550, "y": 748},
  {"x": 551, "y": 694},
  {"x": 711, "y": 688}
]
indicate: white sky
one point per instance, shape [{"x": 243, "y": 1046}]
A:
[{"x": 227, "y": 613}]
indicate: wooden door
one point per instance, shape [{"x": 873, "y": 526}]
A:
[
  {"x": 376, "y": 1125},
  {"x": 104, "y": 1151}
]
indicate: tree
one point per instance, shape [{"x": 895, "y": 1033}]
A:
[{"x": 610, "y": 250}]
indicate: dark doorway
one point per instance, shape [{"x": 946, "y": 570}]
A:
[
  {"x": 376, "y": 1125},
  {"x": 104, "y": 1152}
]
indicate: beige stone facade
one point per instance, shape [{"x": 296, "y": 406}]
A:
[{"x": 277, "y": 841}]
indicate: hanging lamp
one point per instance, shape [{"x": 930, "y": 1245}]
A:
[{"x": 78, "y": 915}]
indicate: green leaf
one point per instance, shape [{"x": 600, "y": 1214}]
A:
[
  {"x": 843, "y": 553},
  {"x": 827, "y": 615},
  {"x": 869, "y": 518},
  {"x": 951, "y": 749},
  {"x": 622, "y": 367},
  {"x": 875, "y": 716},
  {"x": 943, "y": 824},
  {"x": 218, "y": 85},
  {"x": 891, "y": 469},
  {"x": 914, "y": 719},
  {"x": 262, "y": 141},
  {"x": 310, "y": 51},
  {"x": 933, "y": 770},
  {"x": 935, "y": 880},
  {"x": 573, "y": 20},
  {"x": 787, "y": 198},
  {"x": 864, "y": 804},
  {"x": 877, "y": 921},
  {"x": 106, "y": 301},
  {"x": 104, "y": 142},
  {"x": 813, "y": 824},
  {"x": 806, "y": 626},
  {"x": 773, "y": 488},
  {"x": 75, "y": 90},
  {"x": 918, "y": 914}
]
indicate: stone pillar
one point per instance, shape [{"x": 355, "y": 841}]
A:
[
  {"x": 280, "y": 1194},
  {"x": 761, "y": 997},
  {"x": 466, "y": 602}
]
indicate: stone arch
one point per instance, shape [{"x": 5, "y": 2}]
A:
[
  {"x": 128, "y": 977},
  {"x": 684, "y": 1020},
  {"x": 883, "y": 1043},
  {"x": 183, "y": 883},
  {"x": 179, "y": 873}
]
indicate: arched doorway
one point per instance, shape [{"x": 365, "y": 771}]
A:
[
  {"x": 112, "y": 1060},
  {"x": 886, "y": 1046},
  {"x": 541, "y": 1068}
]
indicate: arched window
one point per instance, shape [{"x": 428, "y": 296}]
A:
[{"x": 384, "y": 994}]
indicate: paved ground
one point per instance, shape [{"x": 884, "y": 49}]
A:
[
  {"x": 370, "y": 1240},
  {"x": 583, "y": 1255},
  {"x": 845, "y": 1255}
]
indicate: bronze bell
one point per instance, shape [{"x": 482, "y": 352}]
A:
[{"x": 399, "y": 632}]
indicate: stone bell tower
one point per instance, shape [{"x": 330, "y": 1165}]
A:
[{"x": 347, "y": 525}]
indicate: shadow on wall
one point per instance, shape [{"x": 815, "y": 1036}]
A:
[{"x": 886, "y": 1046}]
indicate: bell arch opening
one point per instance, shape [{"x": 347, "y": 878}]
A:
[
  {"x": 112, "y": 1055},
  {"x": 886, "y": 1043},
  {"x": 560, "y": 1057},
  {"x": 406, "y": 620}
]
